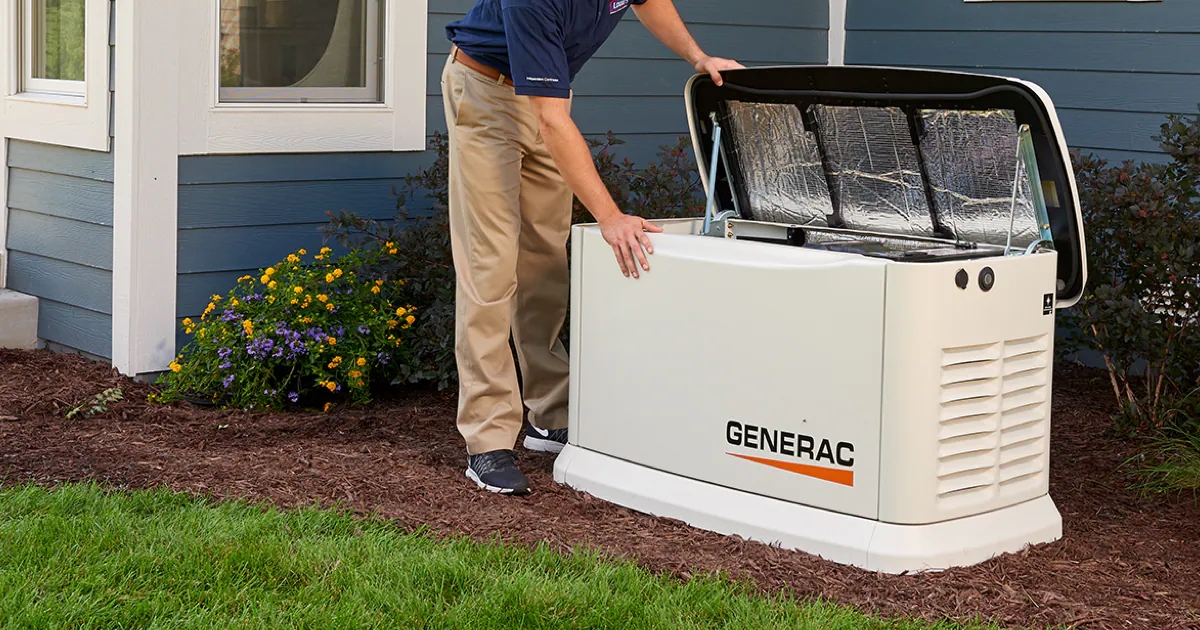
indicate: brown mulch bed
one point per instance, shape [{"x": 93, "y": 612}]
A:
[{"x": 1124, "y": 562}]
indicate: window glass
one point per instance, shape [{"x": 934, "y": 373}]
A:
[
  {"x": 322, "y": 51},
  {"x": 57, "y": 37}
]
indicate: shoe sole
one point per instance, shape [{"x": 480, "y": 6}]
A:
[
  {"x": 542, "y": 445},
  {"x": 496, "y": 489}
]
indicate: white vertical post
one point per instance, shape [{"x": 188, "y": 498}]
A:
[
  {"x": 837, "y": 32},
  {"x": 3, "y": 212},
  {"x": 145, "y": 195}
]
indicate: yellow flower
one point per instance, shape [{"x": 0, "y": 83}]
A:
[
  {"x": 323, "y": 297},
  {"x": 248, "y": 326},
  {"x": 331, "y": 386},
  {"x": 410, "y": 319},
  {"x": 187, "y": 321},
  {"x": 374, "y": 289},
  {"x": 272, "y": 284},
  {"x": 270, "y": 271},
  {"x": 244, "y": 278},
  {"x": 328, "y": 277},
  {"x": 292, "y": 258},
  {"x": 271, "y": 299},
  {"x": 379, "y": 282},
  {"x": 332, "y": 341},
  {"x": 361, "y": 362},
  {"x": 200, "y": 333},
  {"x": 318, "y": 258},
  {"x": 233, "y": 302},
  {"x": 307, "y": 320},
  {"x": 337, "y": 273},
  {"x": 355, "y": 374},
  {"x": 295, "y": 301},
  {"x": 298, "y": 290},
  {"x": 216, "y": 298},
  {"x": 302, "y": 252},
  {"x": 327, "y": 406},
  {"x": 400, "y": 311},
  {"x": 175, "y": 367},
  {"x": 325, "y": 250},
  {"x": 329, "y": 307},
  {"x": 265, "y": 279},
  {"x": 393, "y": 323},
  {"x": 389, "y": 244}
]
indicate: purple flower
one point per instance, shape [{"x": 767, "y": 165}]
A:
[
  {"x": 364, "y": 330},
  {"x": 224, "y": 352},
  {"x": 226, "y": 365},
  {"x": 293, "y": 396},
  {"x": 229, "y": 315},
  {"x": 383, "y": 358},
  {"x": 260, "y": 347},
  {"x": 340, "y": 332},
  {"x": 228, "y": 381}
]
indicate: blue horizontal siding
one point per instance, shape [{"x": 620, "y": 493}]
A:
[
  {"x": 75, "y": 327},
  {"x": 60, "y": 215},
  {"x": 1113, "y": 69},
  {"x": 62, "y": 196},
  {"x": 61, "y": 281}
]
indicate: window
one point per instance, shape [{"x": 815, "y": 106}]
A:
[
  {"x": 302, "y": 76},
  {"x": 301, "y": 51},
  {"x": 53, "y": 43},
  {"x": 54, "y": 88}
]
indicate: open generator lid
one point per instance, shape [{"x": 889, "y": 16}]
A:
[{"x": 916, "y": 153}]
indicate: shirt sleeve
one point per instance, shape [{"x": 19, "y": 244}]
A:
[{"x": 536, "y": 51}]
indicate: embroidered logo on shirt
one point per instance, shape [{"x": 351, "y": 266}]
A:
[{"x": 616, "y": 5}]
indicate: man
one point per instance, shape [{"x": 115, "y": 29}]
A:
[{"x": 516, "y": 159}]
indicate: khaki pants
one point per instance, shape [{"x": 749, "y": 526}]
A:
[{"x": 510, "y": 217}]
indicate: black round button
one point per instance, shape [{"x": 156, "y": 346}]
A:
[
  {"x": 987, "y": 279},
  {"x": 961, "y": 279}
]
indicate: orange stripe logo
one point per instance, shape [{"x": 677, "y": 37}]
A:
[{"x": 843, "y": 477}]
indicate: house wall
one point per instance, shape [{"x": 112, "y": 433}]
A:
[
  {"x": 243, "y": 212},
  {"x": 60, "y": 204},
  {"x": 1114, "y": 69}
]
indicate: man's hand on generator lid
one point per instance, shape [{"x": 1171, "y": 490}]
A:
[{"x": 626, "y": 234}]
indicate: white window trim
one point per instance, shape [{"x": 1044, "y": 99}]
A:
[
  {"x": 209, "y": 127},
  {"x": 79, "y": 120}
]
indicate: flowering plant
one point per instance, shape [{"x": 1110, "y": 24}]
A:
[{"x": 301, "y": 333}]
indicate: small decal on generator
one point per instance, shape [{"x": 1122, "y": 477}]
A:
[{"x": 1047, "y": 304}]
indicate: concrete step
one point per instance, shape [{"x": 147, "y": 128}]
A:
[{"x": 18, "y": 320}]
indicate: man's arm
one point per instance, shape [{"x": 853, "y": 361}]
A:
[
  {"x": 626, "y": 234},
  {"x": 663, "y": 21}
]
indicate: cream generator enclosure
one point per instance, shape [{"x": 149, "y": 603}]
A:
[{"x": 851, "y": 352}]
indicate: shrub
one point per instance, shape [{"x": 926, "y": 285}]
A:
[
  {"x": 302, "y": 333},
  {"x": 665, "y": 189},
  {"x": 1139, "y": 309}
]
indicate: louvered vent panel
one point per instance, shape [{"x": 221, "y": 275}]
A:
[{"x": 993, "y": 421}]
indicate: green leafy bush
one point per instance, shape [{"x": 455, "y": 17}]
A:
[
  {"x": 1140, "y": 307},
  {"x": 301, "y": 334},
  {"x": 667, "y": 188}
]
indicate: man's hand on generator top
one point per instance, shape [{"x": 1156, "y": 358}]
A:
[
  {"x": 714, "y": 66},
  {"x": 626, "y": 234}
]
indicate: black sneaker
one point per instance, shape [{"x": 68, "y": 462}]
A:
[
  {"x": 496, "y": 471},
  {"x": 545, "y": 441}
]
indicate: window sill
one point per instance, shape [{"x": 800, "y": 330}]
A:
[{"x": 69, "y": 100}]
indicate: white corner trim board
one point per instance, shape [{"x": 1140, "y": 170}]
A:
[
  {"x": 3, "y": 212},
  {"x": 209, "y": 127},
  {"x": 837, "y": 32},
  {"x": 72, "y": 121},
  {"x": 145, "y": 192}
]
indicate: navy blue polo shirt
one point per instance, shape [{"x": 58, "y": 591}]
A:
[{"x": 540, "y": 44}]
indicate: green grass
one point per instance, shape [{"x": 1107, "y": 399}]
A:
[{"x": 80, "y": 556}]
